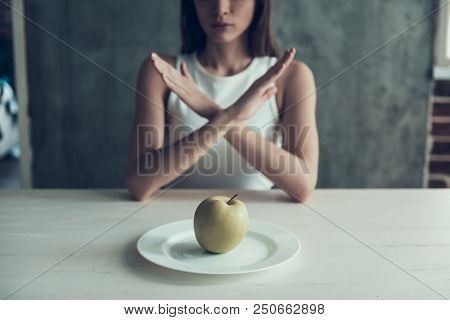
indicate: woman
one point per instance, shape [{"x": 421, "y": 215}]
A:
[{"x": 226, "y": 82}]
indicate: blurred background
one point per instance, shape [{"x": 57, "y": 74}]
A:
[{"x": 382, "y": 69}]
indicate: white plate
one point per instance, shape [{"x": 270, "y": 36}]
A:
[{"x": 174, "y": 246}]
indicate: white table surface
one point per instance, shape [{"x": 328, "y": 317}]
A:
[{"x": 356, "y": 244}]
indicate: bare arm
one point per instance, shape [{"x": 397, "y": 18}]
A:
[
  {"x": 167, "y": 163},
  {"x": 164, "y": 164},
  {"x": 149, "y": 111},
  {"x": 294, "y": 166}
]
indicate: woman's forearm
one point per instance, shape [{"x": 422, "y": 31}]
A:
[
  {"x": 295, "y": 175},
  {"x": 160, "y": 166}
]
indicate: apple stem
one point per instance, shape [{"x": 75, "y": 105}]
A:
[{"x": 228, "y": 202}]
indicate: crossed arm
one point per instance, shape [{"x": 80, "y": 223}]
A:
[{"x": 293, "y": 167}]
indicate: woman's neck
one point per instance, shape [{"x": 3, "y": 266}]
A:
[{"x": 225, "y": 59}]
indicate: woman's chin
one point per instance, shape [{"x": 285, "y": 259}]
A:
[{"x": 222, "y": 38}]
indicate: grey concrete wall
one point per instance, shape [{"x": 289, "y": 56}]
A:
[{"x": 372, "y": 119}]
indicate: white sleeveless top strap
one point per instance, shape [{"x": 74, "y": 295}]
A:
[{"x": 222, "y": 166}]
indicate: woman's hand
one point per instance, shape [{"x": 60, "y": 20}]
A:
[
  {"x": 185, "y": 87},
  {"x": 262, "y": 89},
  {"x": 243, "y": 109}
]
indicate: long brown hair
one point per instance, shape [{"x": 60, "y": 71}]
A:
[{"x": 262, "y": 41}]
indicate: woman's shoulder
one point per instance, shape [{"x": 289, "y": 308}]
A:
[
  {"x": 297, "y": 75},
  {"x": 148, "y": 72},
  {"x": 298, "y": 70},
  {"x": 148, "y": 75}
]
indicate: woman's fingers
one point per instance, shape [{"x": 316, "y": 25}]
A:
[
  {"x": 169, "y": 82},
  {"x": 161, "y": 65},
  {"x": 173, "y": 84},
  {"x": 278, "y": 68},
  {"x": 158, "y": 66},
  {"x": 287, "y": 56},
  {"x": 171, "y": 77},
  {"x": 158, "y": 62},
  {"x": 168, "y": 73},
  {"x": 166, "y": 69},
  {"x": 281, "y": 64},
  {"x": 268, "y": 80},
  {"x": 271, "y": 92}
]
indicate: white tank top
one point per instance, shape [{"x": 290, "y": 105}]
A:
[{"x": 222, "y": 166}]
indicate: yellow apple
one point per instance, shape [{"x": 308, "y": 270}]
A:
[{"x": 220, "y": 223}]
